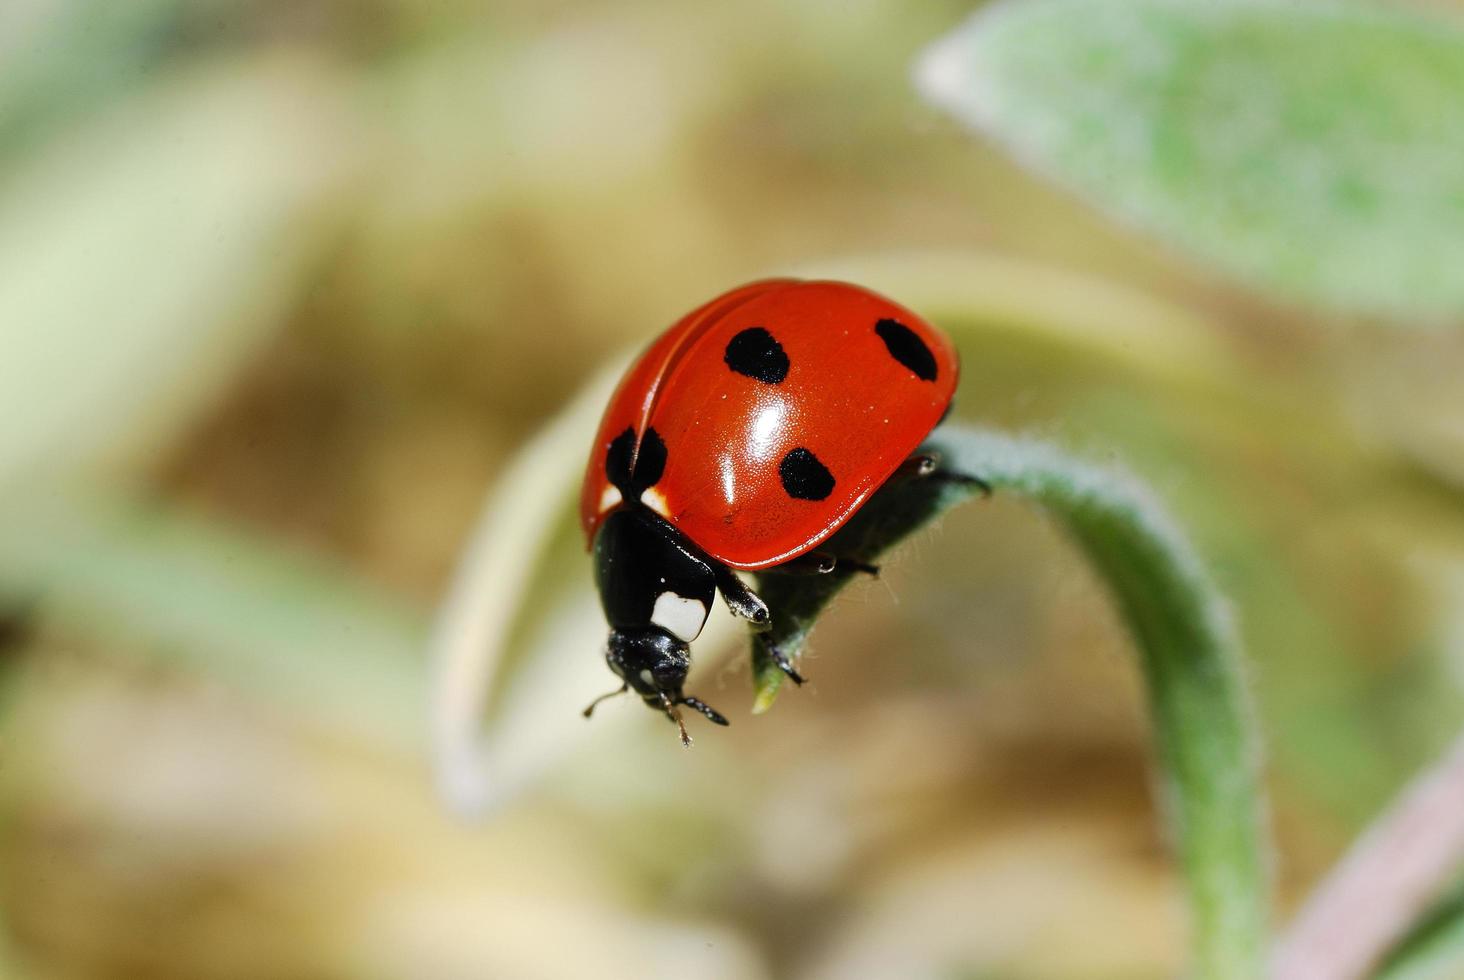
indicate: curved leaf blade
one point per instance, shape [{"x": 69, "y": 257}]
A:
[
  {"x": 1309, "y": 148},
  {"x": 1186, "y": 643}
]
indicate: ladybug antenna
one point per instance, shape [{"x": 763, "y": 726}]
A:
[
  {"x": 590, "y": 709},
  {"x": 675, "y": 716},
  {"x": 713, "y": 715}
]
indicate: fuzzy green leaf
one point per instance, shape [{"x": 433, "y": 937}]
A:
[
  {"x": 1186, "y": 644},
  {"x": 1310, "y": 148}
]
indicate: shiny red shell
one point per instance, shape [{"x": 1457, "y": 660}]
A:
[{"x": 846, "y": 398}]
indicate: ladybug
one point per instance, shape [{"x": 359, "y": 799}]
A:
[{"x": 742, "y": 439}]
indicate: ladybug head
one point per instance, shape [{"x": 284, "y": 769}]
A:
[{"x": 654, "y": 664}]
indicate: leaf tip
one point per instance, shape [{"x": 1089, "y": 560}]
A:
[
  {"x": 767, "y": 693},
  {"x": 948, "y": 72},
  {"x": 939, "y": 71}
]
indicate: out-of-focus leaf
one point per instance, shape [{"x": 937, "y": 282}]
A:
[
  {"x": 142, "y": 259},
  {"x": 471, "y": 635},
  {"x": 58, "y": 57},
  {"x": 1188, "y": 654},
  {"x": 1309, "y": 147},
  {"x": 296, "y": 632},
  {"x": 1385, "y": 891},
  {"x": 1435, "y": 950},
  {"x": 429, "y": 930}
]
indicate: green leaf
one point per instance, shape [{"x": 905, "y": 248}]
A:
[
  {"x": 63, "y": 57},
  {"x": 146, "y": 256},
  {"x": 1187, "y": 648},
  {"x": 1311, "y": 148},
  {"x": 470, "y": 640},
  {"x": 295, "y": 632}
]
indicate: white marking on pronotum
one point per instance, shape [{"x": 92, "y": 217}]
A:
[
  {"x": 656, "y": 501},
  {"x": 682, "y": 618},
  {"x": 646, "y": 679},
  {"x": 609, "y": 498}
]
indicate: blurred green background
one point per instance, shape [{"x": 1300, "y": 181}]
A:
[{"x": 283, "y": 285}]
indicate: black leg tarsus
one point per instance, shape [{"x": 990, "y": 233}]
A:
[
  {"x": 712, "y": 714},
  {"x": 784, "y": 664},
  {"x": 966, "y": 478},
  {"x": 855, "y": 565}
]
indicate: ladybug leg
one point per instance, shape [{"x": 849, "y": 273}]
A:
[
  {"x": 590, "y": 709},
  {"x": 784, "y": 664},
  {"x": 821, "y": 563},
  {"x": 744, "y": 603},
  {"x": 747, "y": 604},
  {"x": 669, "y": 707},
  {"x": 713, "y": 715},
  {"x": 810, "y": 563},
  {"x": 855, "y": 565},
  {"x": 927, "y": 466},
  {"x": 920, "y": 464},
  {"x": 963, "y": 478}
]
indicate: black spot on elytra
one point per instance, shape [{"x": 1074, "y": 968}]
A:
[
  {"x": 906, "y": 347},
  {"x": 804, "y": 477},
  {"x": 650, "y": 462},
  {"x": 755, "y": 353},
  {"x": 617, "y": 458}
]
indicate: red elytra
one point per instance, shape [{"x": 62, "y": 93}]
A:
[{"x": 856, "y": 393}]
